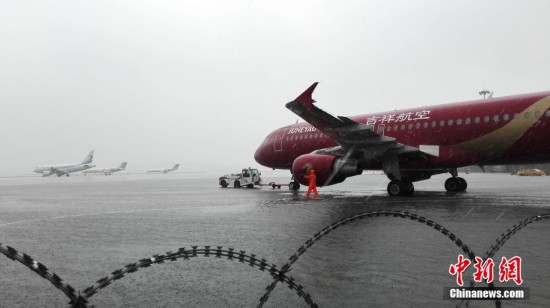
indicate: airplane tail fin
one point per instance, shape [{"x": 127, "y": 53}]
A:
[
  {"x": 123, "y": 166},
  {"x": 88, "y": 159},
  {"x": 176, "y": 167}
]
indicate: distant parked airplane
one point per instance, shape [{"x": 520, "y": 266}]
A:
[
  {"x": 176, "y": 166},
  {"x": 106, "y": 171},
  {"x": 65, "y": 169}
]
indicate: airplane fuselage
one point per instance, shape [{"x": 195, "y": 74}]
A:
[
  {"x": 164, "y": 170},
  {"x": 106, "y": 171},
  {"x": 65, "y": 168},
  {"x": 508, "y": 130},
  {"x": 417, "y": 142}
]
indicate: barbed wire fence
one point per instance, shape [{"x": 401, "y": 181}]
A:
[
  {"x": 500, "y": 242},
  {"x": 279, "y": 275},
  {"x": 42, "y": 271},
  {"x": 398, "y": 214}
]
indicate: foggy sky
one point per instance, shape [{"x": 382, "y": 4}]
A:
[{"x": 202, "y": 83}]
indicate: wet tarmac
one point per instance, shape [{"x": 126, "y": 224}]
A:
[{"x": 84, "y": 228}]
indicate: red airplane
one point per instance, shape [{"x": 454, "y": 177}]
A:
[{"x": 410, "y": 145}]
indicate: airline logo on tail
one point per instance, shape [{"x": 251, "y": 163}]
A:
[{"x": 89, "y": 158}]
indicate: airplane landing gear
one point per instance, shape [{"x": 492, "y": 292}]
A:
[
  {"x": 293, "y": 185},
  {"x": 455, "y": 183},
  {"x": 400, "y": 188},
  {"x": 463, "y": 183}
]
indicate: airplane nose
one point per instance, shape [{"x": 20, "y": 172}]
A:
[
  {"x": 258, "y": 155},
  {"x": 264, "y": 153}
]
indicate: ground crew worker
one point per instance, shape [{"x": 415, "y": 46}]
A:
[{"x": 312, "y": 185}]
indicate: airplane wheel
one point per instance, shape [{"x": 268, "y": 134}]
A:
[
  {"x": 463, "y": 184},
  {"x": 294, "y": 185},
  {"x": 453, "y": 184},
  {"x": 237, "y": 184},
  {"x": 67, "y": 175},
  {"x": 395, "y": 188},
  {"x": 408, "y": 188},
  {"x": 223, "y": 183}
]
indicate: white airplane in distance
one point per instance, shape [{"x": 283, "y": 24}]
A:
[
  {"x": 65, "y": 169},
  {"x": 106, "y": 171},
  {"x": 176, "y": 166}
]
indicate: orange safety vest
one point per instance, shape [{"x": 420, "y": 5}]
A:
[{"x": 312, "y": 179}]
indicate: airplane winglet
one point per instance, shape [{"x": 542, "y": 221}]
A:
[
  {"x": 305, "y": 99},
  {"x": 304, "y": 108}
]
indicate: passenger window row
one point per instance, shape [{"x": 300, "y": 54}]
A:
[
  {"x": 303, "y": 137},
  {"x": 466, "y": 121},
  {"x": 434, "y": 124}
]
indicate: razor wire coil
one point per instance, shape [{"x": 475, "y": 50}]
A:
[{"x": 81, "y": 300}]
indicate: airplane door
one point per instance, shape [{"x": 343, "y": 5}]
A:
[
  {"x": 278, "y": 145},
  {"x": 381, "y": 129}
]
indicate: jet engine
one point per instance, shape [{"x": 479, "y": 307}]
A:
[
  {"x": 46, "y": 173},
  {"x": 329, "y": 169}
]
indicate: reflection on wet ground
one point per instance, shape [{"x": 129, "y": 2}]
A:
[{"x": 84, "y": 228}]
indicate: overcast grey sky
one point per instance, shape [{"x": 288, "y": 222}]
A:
[{"x": 203, "y": 82}]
